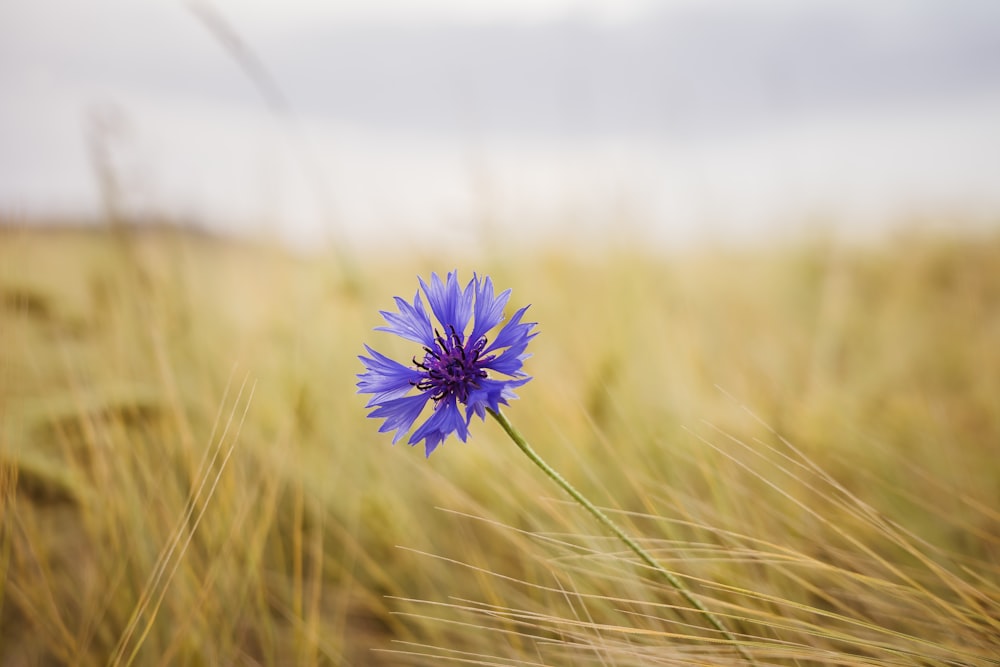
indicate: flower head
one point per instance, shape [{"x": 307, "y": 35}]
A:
[{"x": 459, "y": 370}]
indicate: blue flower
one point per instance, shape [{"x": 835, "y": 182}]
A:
[{"x": 459, "y": 368}]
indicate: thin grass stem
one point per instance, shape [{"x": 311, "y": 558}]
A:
[{"x": 603, "y": 518}]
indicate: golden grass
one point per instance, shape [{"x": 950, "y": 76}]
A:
[{"x": 809, "y": 437}]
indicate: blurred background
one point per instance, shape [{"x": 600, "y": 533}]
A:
[
  {"x": 431, "y": 122},
  {"x": 805, "y": 428}
]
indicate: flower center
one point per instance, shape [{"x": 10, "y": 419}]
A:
[{"x": 451, "y": 368}]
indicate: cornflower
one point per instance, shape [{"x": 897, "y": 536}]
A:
[{"x": 460, "y": 371}]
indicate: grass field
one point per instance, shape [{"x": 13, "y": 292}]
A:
[{"x": 807, "y": 436}]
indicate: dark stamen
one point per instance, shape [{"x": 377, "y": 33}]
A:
[{"x": 450, "y": 368}]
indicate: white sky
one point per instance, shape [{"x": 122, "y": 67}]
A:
[
  {"x": 467, "y": 10},
  {"x": 714, "y": 152}
]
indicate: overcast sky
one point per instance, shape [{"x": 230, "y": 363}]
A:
[{"x": 410, "y": 116}]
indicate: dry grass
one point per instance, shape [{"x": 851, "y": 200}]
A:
[{"x": 809, "y": 437}]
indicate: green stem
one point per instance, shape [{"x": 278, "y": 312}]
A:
[{"x": 603, "y": 518}]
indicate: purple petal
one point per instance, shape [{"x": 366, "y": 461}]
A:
[
  {"x": 447, "y": 419},
  {"x": 399, "y": 414},
  {"x": 489, "y": 310},
  {"x": 450, "y": 305},
  {"x": 508, "y": 363},
  {"x": 491, "y": 394},
  {"x": 513, "y": 333},
  {"x": 386, "y": 378},
  {"x": 411, "y": 323}
]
